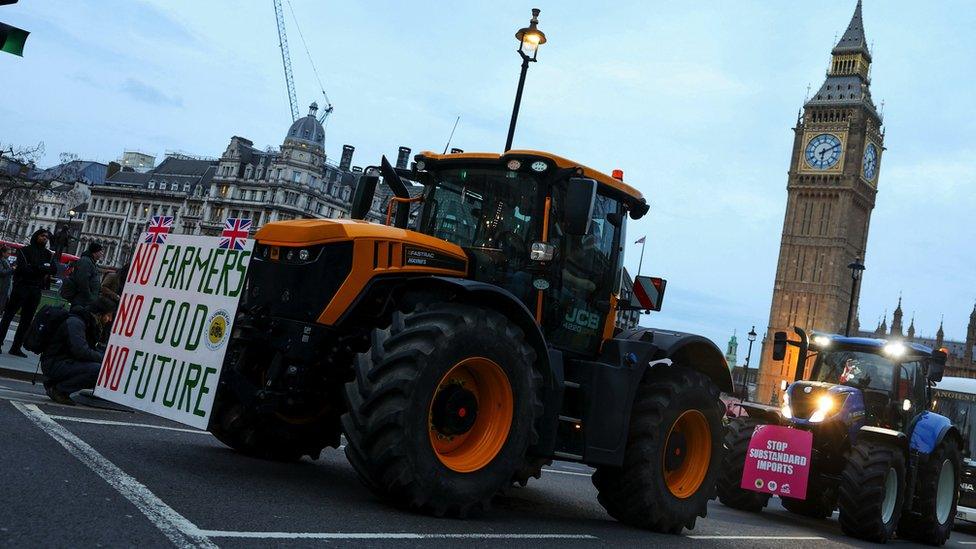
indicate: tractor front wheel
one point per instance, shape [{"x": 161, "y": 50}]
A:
[
  {"x": 730, "y": 492},
  {"x": 443, "y": 408},
  {"x": 872, "y": 491},
  {"x": 673, "y": 451},
  {"x": 937, "y": 495}
]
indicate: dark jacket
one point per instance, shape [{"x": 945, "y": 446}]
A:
[
  {"x": 86, "y": 279},
  {"x": 35, "y": 264},
  {"x": 74, "y": 340}
]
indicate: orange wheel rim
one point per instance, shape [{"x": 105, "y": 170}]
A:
[
  {"x": 470, "y": 414},
  {"x": 687, "y": 454}
]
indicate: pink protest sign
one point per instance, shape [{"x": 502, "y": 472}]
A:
[{"x": 778, "y": 461}]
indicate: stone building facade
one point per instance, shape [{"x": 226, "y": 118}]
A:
[
  {"x": 831, "y": 190},
  {"x": 296, "y": 180},
  {"x": 960, "y": 361}
]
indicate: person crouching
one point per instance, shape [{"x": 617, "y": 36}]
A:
[{"x": 72, "y": 361}]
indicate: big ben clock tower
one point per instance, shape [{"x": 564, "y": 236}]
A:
[{"x": 833, "y": 181}]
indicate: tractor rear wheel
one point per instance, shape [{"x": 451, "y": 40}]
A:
[
  {"x": 872, "y": 491},
  {"x": 730, "y": 493},
  {"x": 443, "y": 408},
  {"x": 279, "y": 435},
  {"x": 672, "y": 456},
  {"x": 937, "y": 495}
]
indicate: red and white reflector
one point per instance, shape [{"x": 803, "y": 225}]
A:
[{"x": 648, "y": 293}]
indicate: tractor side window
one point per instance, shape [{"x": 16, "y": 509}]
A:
[{"x": 579, "y": 299}]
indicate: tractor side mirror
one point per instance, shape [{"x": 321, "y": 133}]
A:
[
  {"x": 578, "y": 205},
  {"x": 648, "y": 294},
  {"x": 362, "y": 197},
  {"x": 937, "y": 365},
  {"x": 779, "y": 345}
]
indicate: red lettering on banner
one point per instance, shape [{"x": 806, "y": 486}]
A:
[
  {"x": 112, "y": 367},
  {"x": 142, "y": 263},
  {"x": 128, "y": 314}
]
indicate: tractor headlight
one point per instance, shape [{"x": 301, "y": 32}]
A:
[
  {"x": 825, "y": 405},
  {"x": 787, "y": 411}
]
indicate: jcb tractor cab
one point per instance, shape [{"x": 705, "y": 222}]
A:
[
  {"x": 878, "y": 454},
  {"x": 464, "y": 352}
]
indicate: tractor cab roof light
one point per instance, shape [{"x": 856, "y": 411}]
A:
[
  {"x": 821, "y": 341},
  {"x": 895, "y": 349}
]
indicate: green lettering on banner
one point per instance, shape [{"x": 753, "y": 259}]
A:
[
  {"x": 192, "y": 372},
  {"x": 184, "y": 282},
  {"x": 179, "y": 325},
  {"x": 242, "y": 269},
  {"x": 225, "y": 271},
  {"x": 167, "y": 400},
  {"x": 163, "y": 262},
  {"x": 169, "y": 281},
  {"x": 213, "y": 270},
  {"x": 146, "y": 371},
  {"x": 163, "y": 327},
  {"x": 159, "y": 378},
  {"x": 201, "y": 267},
  {"x": 203, "y": 390},
  {"x": 149, "y": 316},
  {"x": 132, "y": 369},
  {"x": 200, "y": 314}
]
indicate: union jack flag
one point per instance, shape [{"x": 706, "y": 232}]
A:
[
  {"x": 159, "y": 226},
  {"x": 235, "y": 233}
]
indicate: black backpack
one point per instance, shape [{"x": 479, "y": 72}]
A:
[{"x": 42, "y": 329}]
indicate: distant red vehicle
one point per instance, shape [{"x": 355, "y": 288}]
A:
[{"x": 66, "y": 259}]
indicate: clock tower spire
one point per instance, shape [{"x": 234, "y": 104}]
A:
[{"x": 831, "y": 190}]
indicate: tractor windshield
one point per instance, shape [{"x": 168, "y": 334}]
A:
[
  {"x": 482, "y": 208},
  {"x": 493, "y": 213},
  {"x": 856, "y": 369}
]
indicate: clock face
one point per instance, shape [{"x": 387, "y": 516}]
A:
[
  {"x": 870, "y": 162},
  {"x": 823, "y": 151}
]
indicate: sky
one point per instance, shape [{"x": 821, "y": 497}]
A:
[{"x": 696, "y": 105}]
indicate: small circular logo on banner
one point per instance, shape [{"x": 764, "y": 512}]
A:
[
  {"x": 759, "y": 483},
  {"x": 217, "y": 331},
  {"x": 772, "y": 485}
]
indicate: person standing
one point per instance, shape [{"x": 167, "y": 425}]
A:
[
  {"x": 6, "y": 273},
  {"x": 85, "y": 282},
  {"x": 35, "y": 266},
  {"x": 72, "y": 359}
]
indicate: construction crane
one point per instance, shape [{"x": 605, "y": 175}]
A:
[{"x": 286, "y": 63}]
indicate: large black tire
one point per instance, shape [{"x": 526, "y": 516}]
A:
[
  {"x": 930, "y": 522},
  {"x": 736, "y": 444},
  {"x": 268, "y": 434},
  {"x": 638, "y": 493},
  {"x": 390, "y": 414},
  {"x": 820, "y": 503},
  {"x": 865, "y": 510}
]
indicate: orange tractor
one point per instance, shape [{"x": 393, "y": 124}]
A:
[{"x": 465, "y": 351}]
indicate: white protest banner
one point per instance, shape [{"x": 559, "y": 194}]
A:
[{"x": 174, "y": 322}]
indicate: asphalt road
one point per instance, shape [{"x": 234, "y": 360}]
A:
[{"x": 78, "y": 476}]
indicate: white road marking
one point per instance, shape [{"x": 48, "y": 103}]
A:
[
  {"x": 128, "y": 424},
  {"x": 781, "y": 538},
  {"x": 547, "y": 470},
  {"x": 173, "y": 525},
  {"x": 382, "y": 535}
]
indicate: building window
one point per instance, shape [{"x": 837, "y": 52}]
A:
[
  {"x": 296, "y": 176},
  {"x": 162, "y": 186},
  {"x": 186, "y": 187},
  {"x": 152, "y": 185}
]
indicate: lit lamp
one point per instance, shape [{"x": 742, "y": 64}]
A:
[
  {"x": 751, "y": 336},
  {"x": 530, "y": 38},
  {"x": 856, "y": 268}
]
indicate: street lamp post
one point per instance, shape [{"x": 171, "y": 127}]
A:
[
  {"x": 751, "y": 336},
  {"x": 530, "y": 38},
  {"x": 856, "y": 268}
]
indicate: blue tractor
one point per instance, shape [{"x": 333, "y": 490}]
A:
[{"x": 889, "y": 465}]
